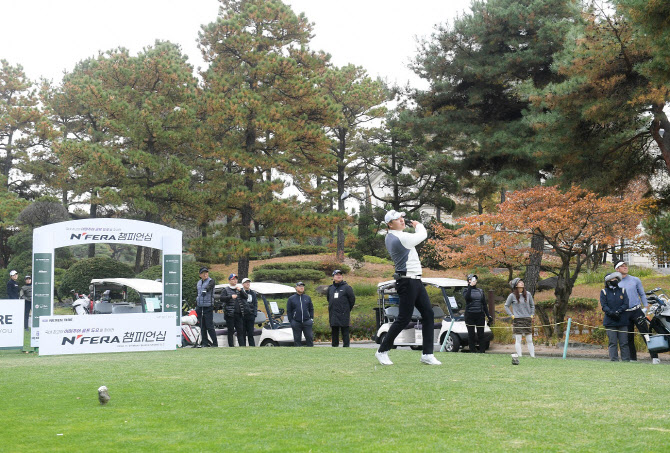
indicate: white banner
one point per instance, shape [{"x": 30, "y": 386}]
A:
[
  {"x": 86, "y": 334},
  {"x": 11, "y": 323}
]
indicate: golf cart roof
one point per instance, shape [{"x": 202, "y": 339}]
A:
[
  {"x": 267, "y": 288},
  {"x": 141, "y": 285},
  {"x": 439, "y": 282}
]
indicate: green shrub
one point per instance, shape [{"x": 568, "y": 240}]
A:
[
  {"x": 189, "y": 279},
  {"x": 294, "y": 250},
  {"x": 599, "y": 275},
  {"x": 362, "y": 326},
  {"x": 78, "y": 276},
  {"x": 327, "y": 267},
  {"x": 375, "y": 260},
  {"x": 364, "y": 289},
  {"x": 356, "y": 255},
  {"x": 22, "y": 263},
  {"x": 576, "y": 303},
  {"x": 287, "y": 275},
  {"x": 488, "y": 281}
]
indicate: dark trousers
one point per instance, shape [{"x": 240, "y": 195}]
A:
[
  {"x": 412, "y": 294},
  {"x": 206, "y": 317},
  {"x": 300, "y": 328},
  {"x": 26, "y": 315},
  {"x": 235, "y": 324},
  {"x": 618, "y": 337},
  {"x": 475, "y": 321},
  {"x": 335, "y": 335},
  {"x": 248, "y": 326},
  {"x": 637, "y": 319}
]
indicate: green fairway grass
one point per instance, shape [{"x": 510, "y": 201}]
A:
[{"x": 327, "y": 399}]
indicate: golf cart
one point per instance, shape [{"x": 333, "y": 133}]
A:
[
  {"x": 277, "y": 330},
  {"x": 126, "y": 295},
  {"x": 452, "y": 297}
]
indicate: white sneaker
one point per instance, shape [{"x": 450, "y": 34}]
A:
[
  {"x": 429, "y": 359},
  {"x": 656, "y": 361},
  {"x": 383, "y": 358}
]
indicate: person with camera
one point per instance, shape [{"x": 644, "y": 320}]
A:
[
  {"x": 476, "y": 308},
  {"x": 401, "y": 245},
  {"x": 249, "y": 308},
  {"x": 614, "y": 302},
  {"x": 232, "y": 298},
  {"x": 204, "y": 308}
]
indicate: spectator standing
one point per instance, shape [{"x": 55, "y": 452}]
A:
[
  {"x": 300, "y": 312},
  {"x": 401, "y": 245},
  {"x": 27, "y": 295},
  {"x": 341, "y": 300},
  {"x": 205, "y": 308},
  {"x": 249, "y": 309},
  {"x": 522, "y": 313},
  {"x": 233, "y": 298},
  {"x": 637, "y": 300},
  {"x": 12, "y": 285},
  {"x": 614, "y": 302},
  {"x": 475, "y": 310}
]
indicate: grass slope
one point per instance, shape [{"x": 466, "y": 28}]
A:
[{"x": 326, "y": 399}]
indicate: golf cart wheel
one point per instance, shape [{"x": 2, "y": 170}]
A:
[
  {"x": 453, "y": 343},
  {"x": 381, "y": 340},
  {"x": 416, "y": 348},
  {"x": 269, "y": 342}
]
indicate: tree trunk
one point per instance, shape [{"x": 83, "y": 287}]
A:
[
  {"x": 534, "y": 262},
  {"x": 544, "y": 319},
  {"x": 340, "y": 192},
  {"x": 138, "y": 260},
  {"x": 93, "y": 213}
]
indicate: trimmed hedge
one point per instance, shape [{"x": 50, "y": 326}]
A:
[
  {"x": 80, "y": 274},
  {"x": 327, "y": 267},
  {"x": 294, "y": 250},
  {"x": 577, "y": 303},
  {"x": 287, "y": 275}
]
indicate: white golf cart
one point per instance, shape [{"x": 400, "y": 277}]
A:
[
  {"x": 126, "y": 295},
  {"x": 277, "y": 330},
  {"x": 452, "y": 297}
]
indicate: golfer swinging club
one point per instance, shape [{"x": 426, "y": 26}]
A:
[{"x": 411, "y": 291}]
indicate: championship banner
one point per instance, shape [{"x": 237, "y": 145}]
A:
[
  {"x": 89, "y": 334},
  {"x": 11, "y": 323}
]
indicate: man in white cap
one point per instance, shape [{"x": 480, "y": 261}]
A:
[
  {"x": 401, "y": 246},
  {"x": 636, "y": 317},
  {"x": 12, "y": 285}
]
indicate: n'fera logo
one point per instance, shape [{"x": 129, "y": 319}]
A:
[
  {"x": 93, "y": 237},
  {"x": 81, "y": 339},
  {"x": 89, "y": 237}
]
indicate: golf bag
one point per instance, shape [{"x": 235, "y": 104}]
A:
[
  {"x": 190, "y": 331},
  {"x": 81, "y": 305},
  {"x": 659, "y": 306}
]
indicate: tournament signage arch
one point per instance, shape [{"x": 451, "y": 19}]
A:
[{"x": 97, "y": 231}]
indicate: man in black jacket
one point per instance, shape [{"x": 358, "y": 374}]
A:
[
  {"x": 205, "y": 308},
  {"x": 341, "y": 300},
  {"x": 249, "y": 309},
  {"x": 232, "y": 297},
  {"x": 12, "y": 285},
  {"x": 300, "y": 312}
]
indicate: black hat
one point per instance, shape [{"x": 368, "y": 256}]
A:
[
  {"x": 203, "y": 269},
  {"x": 471, "y": 276},
  {"x": 300, "y": 284},
  {"x": 337, "y": 271}
]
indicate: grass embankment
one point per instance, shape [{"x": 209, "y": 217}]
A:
[{"x": 326, "y": 399}]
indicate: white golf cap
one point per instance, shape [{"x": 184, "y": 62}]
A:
[
  {"x": 392, "y": 215},
  {"x": 12, "y": 273},
  {"x": 619, "y": 264},
  {"x": 244, "y": 280}
]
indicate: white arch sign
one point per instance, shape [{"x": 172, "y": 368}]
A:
[{"x": 96, "y": 231}]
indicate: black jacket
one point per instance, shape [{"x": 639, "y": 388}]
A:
[
  {"x": 341, "y": 300},
  {"x": 475, "y": 300},
  {"x": 613, "y": 301},
  {"x": 12, "y": 289},
  {"x": 232, "y": 307},
  {"x": 299, "y": 308},
  {"x": 250, "y": 304}
]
